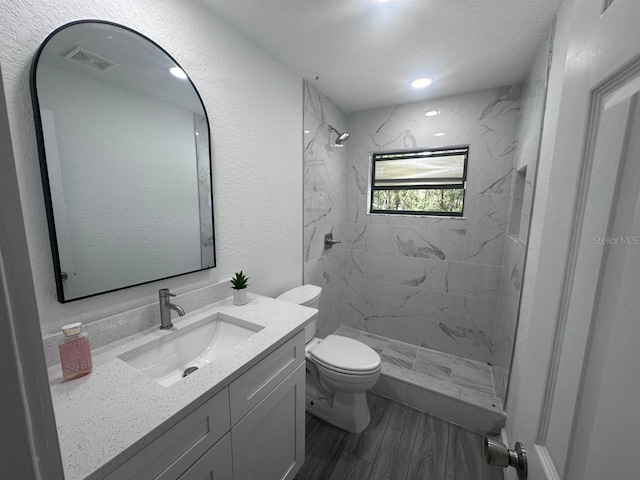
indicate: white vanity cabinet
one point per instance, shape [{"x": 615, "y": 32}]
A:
[
  {"x": 251, "y": 430},
  {"x": 175, "y": 451},
  {"x": 268, "y": 444},
  {"x": 267, "y": 414}
]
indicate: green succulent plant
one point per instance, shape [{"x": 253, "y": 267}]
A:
[{"x": 239, "y": 281}]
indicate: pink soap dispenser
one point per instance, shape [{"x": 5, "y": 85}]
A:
[{"x": 75, "y": 353}]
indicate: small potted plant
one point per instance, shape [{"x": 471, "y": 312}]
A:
[{"x": 239, "y": 282}]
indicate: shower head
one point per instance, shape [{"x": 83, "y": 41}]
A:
[{"x": 342, "y": 137}]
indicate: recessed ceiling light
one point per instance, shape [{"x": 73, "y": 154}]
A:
[
  {"x": 178, "y": 73},
  {"x": 432, "y": 113},
  {"x": 307, "y": 131},
  {"x": 438, "y": 134},
  {"x": 421, "y": 82}
]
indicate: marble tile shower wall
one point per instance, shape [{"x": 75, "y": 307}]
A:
[
  {"x": 431, "y": 281},
  {"x": 324, "y": 191},
  {"x": 525, "y": 162}
]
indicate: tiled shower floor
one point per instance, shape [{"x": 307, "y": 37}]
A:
[{"x": 449, "y": 375}]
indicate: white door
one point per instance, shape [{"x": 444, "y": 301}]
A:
[{"x": 577, "y": 403}]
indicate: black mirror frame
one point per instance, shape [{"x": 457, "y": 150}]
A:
[{"x": 44, "y": 172}]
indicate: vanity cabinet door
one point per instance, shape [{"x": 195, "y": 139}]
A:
[
  {"x": 216, "y": 464},
  {"x": 268, "y": 444}
]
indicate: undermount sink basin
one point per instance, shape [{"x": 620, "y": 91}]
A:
[{"x": 165, "y": 360}]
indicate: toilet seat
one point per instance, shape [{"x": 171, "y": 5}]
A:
[
  {"x": 344, "y": 371},
  {"x": 346, "y": 356}
]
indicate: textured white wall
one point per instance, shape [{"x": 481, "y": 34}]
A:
[
  {"x": 130, "y": 186},
  {"x": 254, "y": 105},
  {"x": 545, "y": 161}
]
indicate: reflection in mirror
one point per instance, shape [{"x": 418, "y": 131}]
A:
[{"x": 125, "y": 159}]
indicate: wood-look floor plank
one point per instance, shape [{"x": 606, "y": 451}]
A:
[
  {"x": 464, "y": 455},
  {"x": 394, "y": 454},
  {"x": 324, "y": 446},
  {"x": 386, "y": 450},
  {"x": 429, "y": 456},
  {"x": 365, "y": 445},
  {"x": 405, "y": 419},
  {"x": 310, "y": 422},
  {"x": 350, "y": 467}
]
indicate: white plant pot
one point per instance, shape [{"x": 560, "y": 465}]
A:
[{"x": 240, "y": 297}]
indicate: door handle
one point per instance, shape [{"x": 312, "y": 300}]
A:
[{"x": 499, "y": 455}]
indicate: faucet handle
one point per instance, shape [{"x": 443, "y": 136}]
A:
[{"x": 164, "y": 292}]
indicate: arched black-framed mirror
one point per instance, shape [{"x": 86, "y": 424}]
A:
[{"x": 125, "y": 158}]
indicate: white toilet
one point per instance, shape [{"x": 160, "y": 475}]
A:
[{"x": 340, "y": 370}]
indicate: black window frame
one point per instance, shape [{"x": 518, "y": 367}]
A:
[{"x": 420, "y": 153}]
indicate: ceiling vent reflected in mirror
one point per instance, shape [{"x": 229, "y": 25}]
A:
[{"x": 90, "y": 59}]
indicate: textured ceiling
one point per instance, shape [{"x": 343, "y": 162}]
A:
[{"x": 365, "y": 52}]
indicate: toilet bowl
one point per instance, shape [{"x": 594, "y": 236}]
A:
[{"x": 340, "y": 370}]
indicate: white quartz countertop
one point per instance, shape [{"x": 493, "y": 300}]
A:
[{"x": 108, "y": 416}]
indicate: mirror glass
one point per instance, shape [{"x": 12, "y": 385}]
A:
[{"x": 125, "y": 156}]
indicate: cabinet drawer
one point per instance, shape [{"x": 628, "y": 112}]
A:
[
  {"x": 248, "y": 390},
  {"x": 171, "y": 454},
  {"x": 216, "y": 464}
]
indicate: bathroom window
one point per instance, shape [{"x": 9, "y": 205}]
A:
[{"x": 419, "y": 182}]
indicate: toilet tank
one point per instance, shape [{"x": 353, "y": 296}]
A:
[{"x": 309, "y": 296}]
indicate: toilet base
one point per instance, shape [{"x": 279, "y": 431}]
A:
[{"x": 348, "y": 411}]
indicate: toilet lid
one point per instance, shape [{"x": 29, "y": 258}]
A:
[
  {"x": 302, "y": 295},
  {"x": 346, "y": 354}
]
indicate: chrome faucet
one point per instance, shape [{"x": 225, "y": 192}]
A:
[{"x": 165, "y": 308}]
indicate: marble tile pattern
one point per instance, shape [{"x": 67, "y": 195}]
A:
[
  {"x": 431, "y": 281},
  {"x": 473, "y": 375},
  {"x": 441, "y": 283},
  {"x": 323, "y": 203},
  {"x": 203, "y": 156},
  {"x": 512, "y": 268},
  {"x": 509, "y": 301},
  {"x": 456, "y": 378},
  {"x": 400, "y": 443},
  {"x": 399, "y": 354}
]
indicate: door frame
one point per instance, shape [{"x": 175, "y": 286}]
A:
[
  {"x": 29, "y": 441},
  {"x": 551, "y": 340}
]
